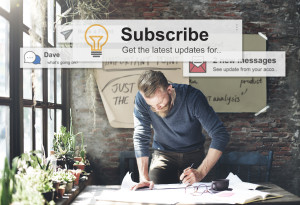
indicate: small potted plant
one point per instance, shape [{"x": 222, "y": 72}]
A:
[
  {"x": 65, "y": 178},
  {"x": 61, "y": 191},
  {"x": 76, "y": 173},
  {"x": 79, "y": 165},
  {"x": 69, "y": 178}
]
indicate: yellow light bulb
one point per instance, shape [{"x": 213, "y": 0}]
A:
[{"x": 96, "y": 37}]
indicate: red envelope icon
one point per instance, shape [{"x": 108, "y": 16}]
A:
[{"x": 197, "y": 69}]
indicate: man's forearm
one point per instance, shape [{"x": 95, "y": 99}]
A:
[
  {"x": 142, "y": 163},
  {"x": 209, "y": 162}
]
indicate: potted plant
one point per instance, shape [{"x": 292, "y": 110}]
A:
[
  {"x": 63, "y": 145},
  {"x": 64, "y": 177},
  {"x": 79, "y": 165},
  {"x": 37, "y": 178},
  {"x": 25, "y": 193},
  {"x": 7, "y": 182},
  {"x": 79, "y": 159},
  {"x": 80, "y": 152},
  {"x": 61, "y": 191},
  {"x": 57, "y": 180},
  {"x": 69, "y": 178},
  {"x": 76, "y": 173}
]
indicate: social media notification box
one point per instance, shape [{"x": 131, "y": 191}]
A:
[
  {"x": 53, "y": 58},
  {"x": 253, "y": 64}
]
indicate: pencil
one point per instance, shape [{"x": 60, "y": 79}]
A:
[{"x": 190, "y": 167}]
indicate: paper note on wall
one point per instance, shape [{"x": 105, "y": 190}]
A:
[
  {"x": 117, "y": 83},
  {"x": 236, "y": 94}
]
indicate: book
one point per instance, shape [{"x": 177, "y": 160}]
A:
[
  {"x": 248, "y": 185},
  {"x": 244, "y": 196},
  {"x": 236, "y": 183}
]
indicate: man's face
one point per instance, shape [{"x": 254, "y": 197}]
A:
[{"x": 160, "y": 102}]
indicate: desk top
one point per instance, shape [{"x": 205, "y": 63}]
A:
[{"x": 89, "y": 194}]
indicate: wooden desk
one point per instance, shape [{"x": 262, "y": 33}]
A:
[{"x": 87, "y": 196}]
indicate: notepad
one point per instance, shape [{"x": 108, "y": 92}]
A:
[
  {"x": 236, "y": 183},
  {"x": 245, "y": 196}
]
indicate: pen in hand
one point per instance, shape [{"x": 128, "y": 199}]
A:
[{"x": 190, "y": 167}]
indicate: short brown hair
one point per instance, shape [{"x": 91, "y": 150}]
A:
[{"x": 150, "y": 80}]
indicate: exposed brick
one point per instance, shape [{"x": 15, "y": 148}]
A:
[
  {"x": 160, "y": 4},
  {"x": 273, "y": 130},
  {"x": 150, "y": 14}
]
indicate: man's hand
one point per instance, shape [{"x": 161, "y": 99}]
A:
[
  {"x": 142, "y": 163},
  {"x": 190, "y": 176},
  {"x": 143, "y": 184}
]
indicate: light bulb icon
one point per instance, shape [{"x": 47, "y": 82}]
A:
[{"x": 96, "y": 37}]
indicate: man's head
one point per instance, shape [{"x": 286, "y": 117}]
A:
[{"x": 156, "y": 91}]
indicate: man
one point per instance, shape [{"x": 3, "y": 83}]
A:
[{"x": 177, "y": 114}]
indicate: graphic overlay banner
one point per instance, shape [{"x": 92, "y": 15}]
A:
[
  {"x": 254, "y": 64},
  {"x": 155, "y": 40}
]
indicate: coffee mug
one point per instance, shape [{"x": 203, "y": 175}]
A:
[{"x": 220, "y": 184}]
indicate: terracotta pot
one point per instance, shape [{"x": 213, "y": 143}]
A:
[
  {"x": 79, "y": 159},
  {"x": 77, "y": 175},
  {"x": 55, "y": 185},
  {"x": 61, "y": 192},
  {"x": 79, "y": 166}
]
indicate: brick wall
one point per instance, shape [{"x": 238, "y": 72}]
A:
[{"x": 276, "y": 130}]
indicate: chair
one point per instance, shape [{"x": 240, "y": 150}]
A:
[
  {"x": 249, "y": 166},
  {"x": 128, "y": 164}
]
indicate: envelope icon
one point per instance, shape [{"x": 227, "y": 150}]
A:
[{"x": 197, "y": 69}]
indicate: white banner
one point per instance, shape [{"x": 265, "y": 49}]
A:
[
  {"x": 154, "y": 40},
  {"x": 253, "y": 64},
  {"x": 53, "y": 58}
]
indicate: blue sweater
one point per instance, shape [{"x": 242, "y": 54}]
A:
[{"x": 181, "y": 129}]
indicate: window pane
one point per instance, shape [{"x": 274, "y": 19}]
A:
[
  {"x": 58, "y": 18},
  {"x": 58, "y": 119},
  {"x": 38, "y": 128},
  {"x": 51, "y": 85},
  {"x": 58, "y": 13},
  {"x": 5, "y": 4},
  {"x": 50, "y": 19},
  {"x": 38, "y": 84},
  {"x": 4, "y": 51},
  {"x": 27, "y": 83},
  {"x": 26, "y": 13},
  {"x": 27, "y": 129},
  {"x": 4, "y": 134},
  {"x": 50, "y": 130},
  {"x": 58, "y": 86},
  {"x": 26, "y": 40},
  {"x": 31, "y": 16}
]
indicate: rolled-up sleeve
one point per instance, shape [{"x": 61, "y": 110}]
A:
[{"x": 142, "y": 127}]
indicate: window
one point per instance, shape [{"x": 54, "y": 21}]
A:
[
  {"x": 32, "y": 101},
  {"x": 4, "y": 82},
  {"x": 4, "y": 133}
]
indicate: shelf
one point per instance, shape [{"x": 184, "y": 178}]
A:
[{"x": 69, "y": 197}]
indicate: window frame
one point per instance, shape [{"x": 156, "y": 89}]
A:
[{"x": 15, "y": 100}]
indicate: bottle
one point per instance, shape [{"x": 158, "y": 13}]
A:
[{"x": 53, "y": 160}]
